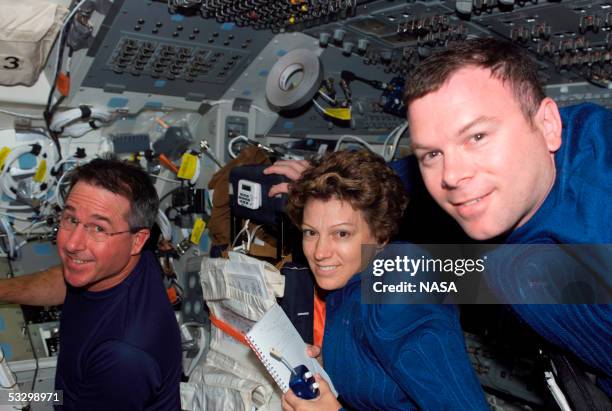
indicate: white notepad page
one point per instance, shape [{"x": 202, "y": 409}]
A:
[{"x": 275, "y": 331}]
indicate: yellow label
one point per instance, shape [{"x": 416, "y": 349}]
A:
[
  {"x": 189, "y": 164},
  {"x": 41, "y": 171},
  {"x": 3, "y": 155},
  {"x": 339, "y": 113},
  {"x": 198, "y": 228}
]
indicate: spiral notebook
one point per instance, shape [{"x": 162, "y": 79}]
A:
[{"x": 275, "y": 331}]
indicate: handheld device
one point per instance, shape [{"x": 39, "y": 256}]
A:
[
  {"x": 248, "y": 194},
  {"x": 303, "y": 383}
]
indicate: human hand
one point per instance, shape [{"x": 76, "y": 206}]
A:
[
  {"x": 292, "y": 169},
  {"x": 314, "y": 351},
  {"x": 326, "y": 401}
]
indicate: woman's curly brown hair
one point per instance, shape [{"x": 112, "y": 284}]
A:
[{"x": 362, "y": 179}]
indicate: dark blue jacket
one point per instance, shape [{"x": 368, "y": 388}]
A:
[
  {"x": 578, "y": 210},
  {"x": 397, "y": 357}
]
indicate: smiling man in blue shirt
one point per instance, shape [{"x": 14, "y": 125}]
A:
[
  {"x": 120, "y": 346},
  {"x": 502, "y": 159}
]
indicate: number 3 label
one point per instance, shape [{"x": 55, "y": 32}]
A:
[{"x": 10, "y": 62}]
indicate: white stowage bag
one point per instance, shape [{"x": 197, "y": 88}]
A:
[
  {"x": 238, "y": 291},
  {"x": 28, "y": 29}
]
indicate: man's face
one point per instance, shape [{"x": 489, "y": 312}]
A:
[
  {"x": 87, "y": 263},
  {"x": 480, "y": 158}
]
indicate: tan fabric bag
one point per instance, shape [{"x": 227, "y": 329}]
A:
[{"x": 28, "y": 29}]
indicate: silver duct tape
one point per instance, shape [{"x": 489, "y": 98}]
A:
[{"x": 294, "y": 79}]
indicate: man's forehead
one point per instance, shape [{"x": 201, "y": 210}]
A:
[
  {"x": 97, "y": 202},
  {"x": 459, "y": 88},
  {"x": 97, "y": 191},
  {"x": 465, "y": 78}
]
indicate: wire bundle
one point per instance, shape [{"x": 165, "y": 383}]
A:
[{"x": 79, "y": 121}]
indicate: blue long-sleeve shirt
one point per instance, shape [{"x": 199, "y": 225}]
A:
[
  {"x": 578, "y": 210},
  {"x": 397, "y": 357}
]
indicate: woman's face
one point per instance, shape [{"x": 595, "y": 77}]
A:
[{"x": 333, "y": 233}]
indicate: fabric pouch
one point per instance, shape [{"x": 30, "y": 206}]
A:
[{"x": 28, "y": 29}]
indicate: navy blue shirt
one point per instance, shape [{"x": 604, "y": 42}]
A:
[
  {"x": 578, "y": 210},
  {"x": 397, "y": 357},
  {"x": 120, "y": 349}
]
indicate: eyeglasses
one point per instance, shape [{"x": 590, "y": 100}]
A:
[{"x": 94, "y": 231}]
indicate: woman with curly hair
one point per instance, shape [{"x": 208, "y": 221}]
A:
[{"x": 391, "y": 357}]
